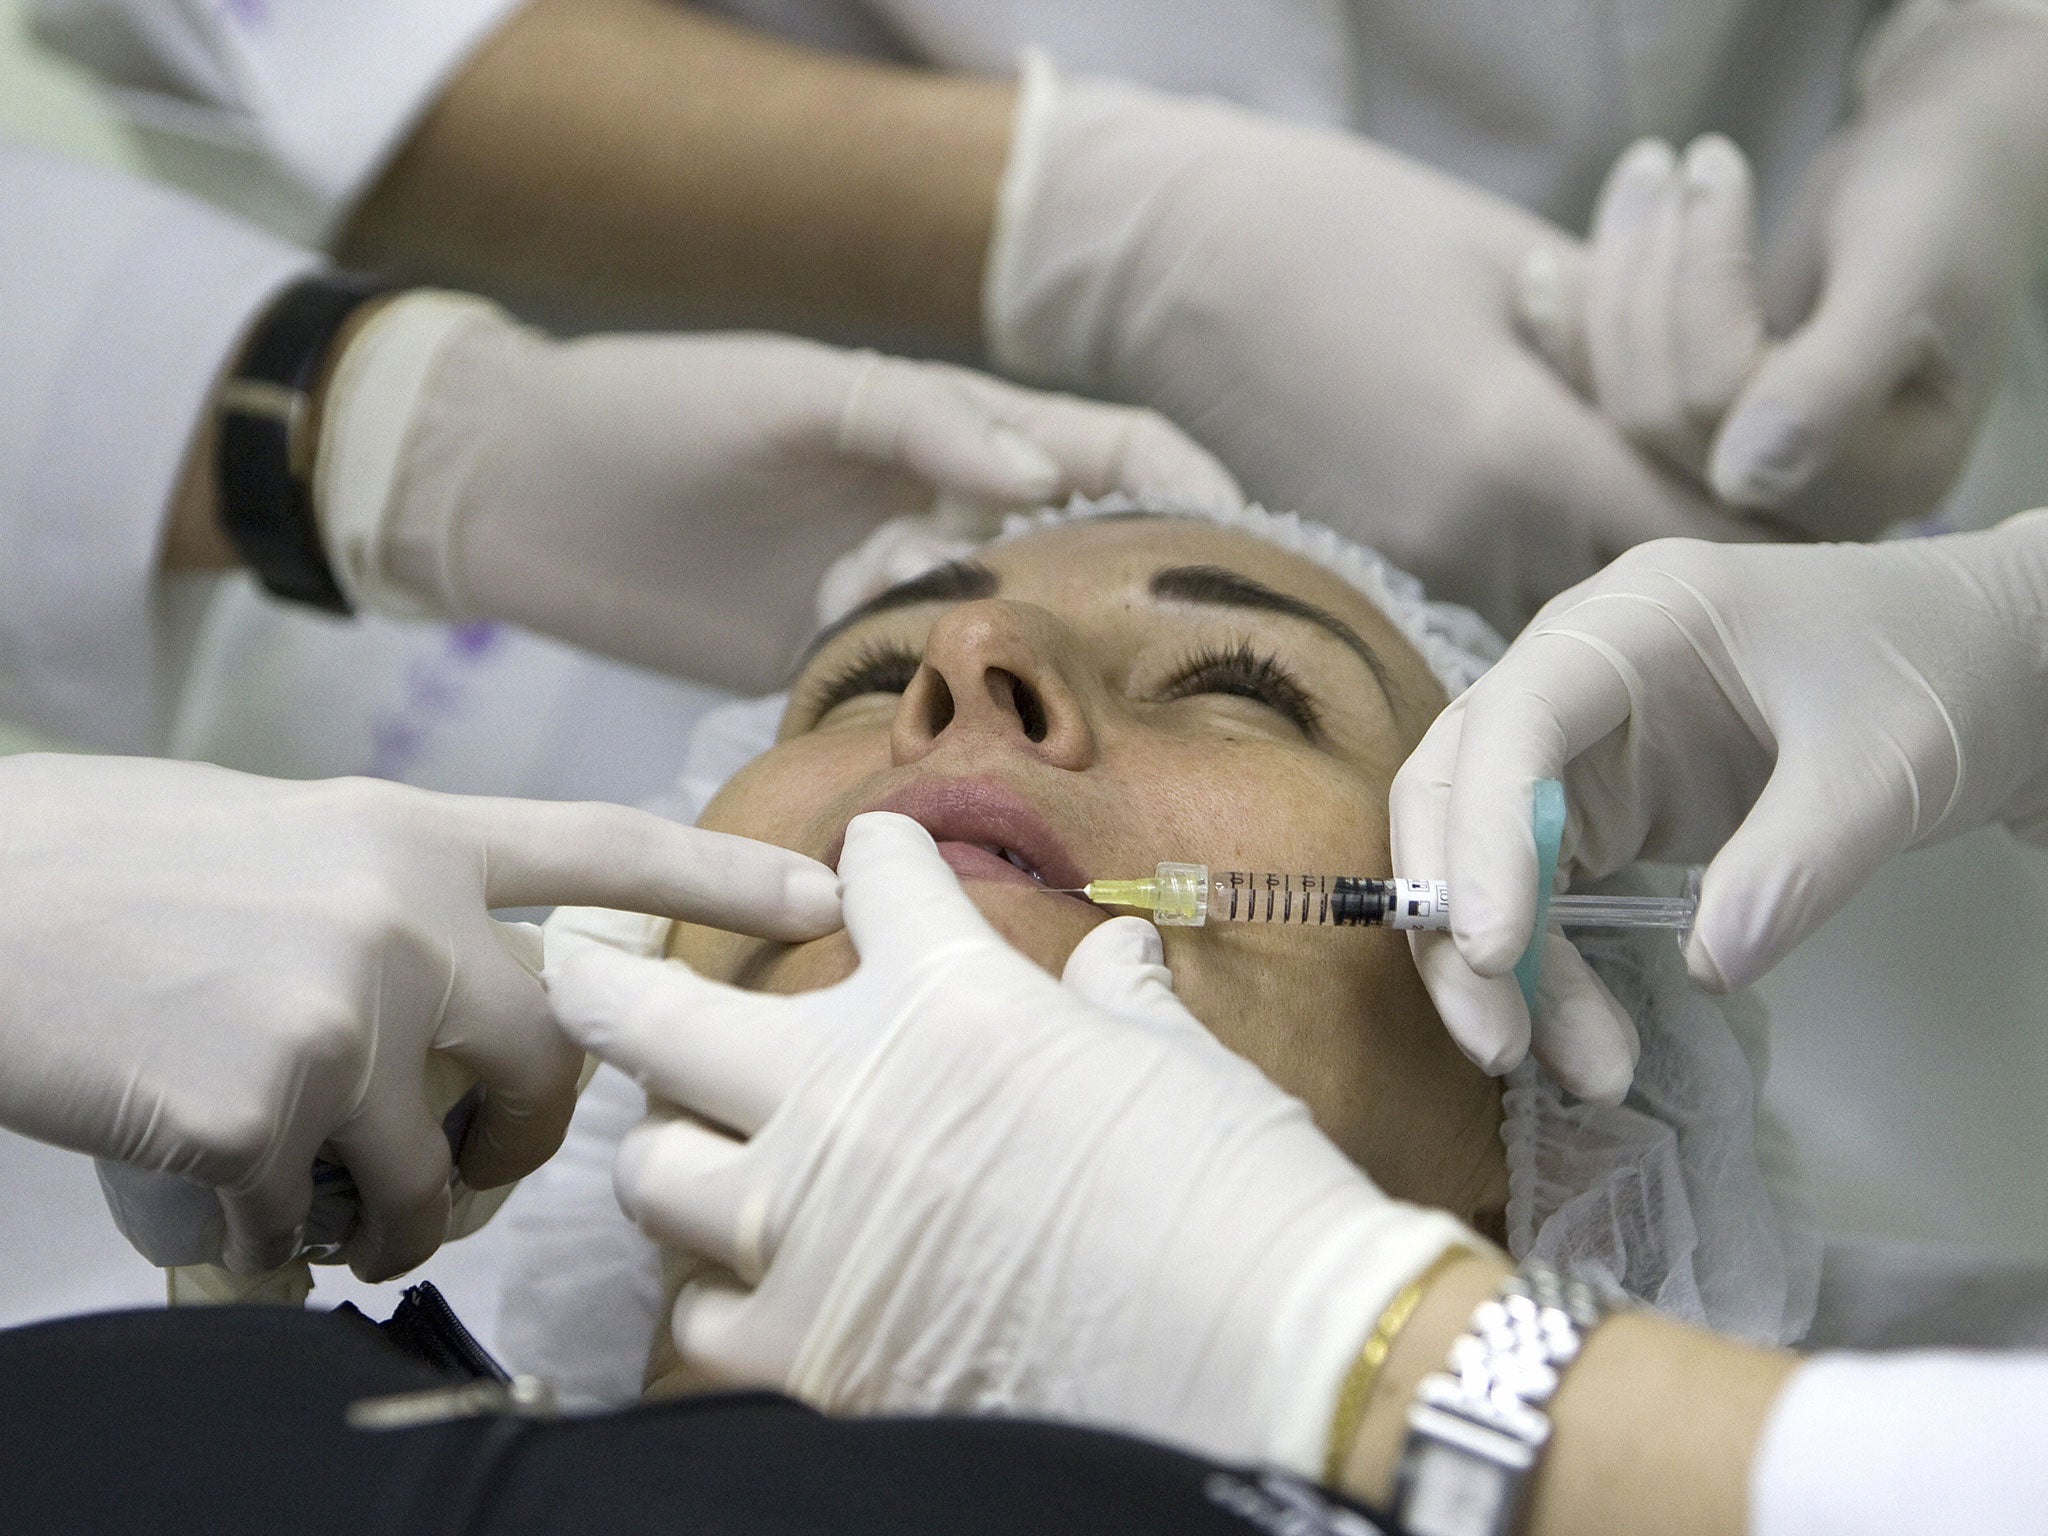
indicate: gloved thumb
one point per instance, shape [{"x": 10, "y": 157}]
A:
[
  {"x": 1832, "y": 375},
  {"x": 1121, "y": 967},
  {"x": 915, "y": 417},
  {"x": 1805, "y": 848}
]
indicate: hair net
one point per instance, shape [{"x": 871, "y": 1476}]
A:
[{"x": 1681, "y": 1195}]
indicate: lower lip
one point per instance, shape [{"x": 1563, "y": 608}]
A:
[{"x": 971, "y": 861}]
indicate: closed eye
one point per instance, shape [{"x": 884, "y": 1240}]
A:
[
  {"x": 1244, "y": 673},
  {"x": 878, "y": 667}
]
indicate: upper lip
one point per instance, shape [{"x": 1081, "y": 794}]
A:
[{"x": 984, "y": 811}]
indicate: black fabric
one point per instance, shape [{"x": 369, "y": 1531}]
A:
[
  {"x": 221, "y": 1420},
  {"x": 425, "y": 1327},
  {"x": 229, "y": 1420}
]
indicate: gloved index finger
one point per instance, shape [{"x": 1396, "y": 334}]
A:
[
  {"x": 539, "y": 853},
  {"x": 902, "y": 902}
]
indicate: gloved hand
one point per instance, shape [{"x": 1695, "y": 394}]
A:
[
  {"x": 219, "y": 976},
  {"x": 1333, "y": 319},
  {"x": 1896, "y": 284},
  {"x": 963, "y": 1184},
  {"x": 1662, "y": 326},
  {"x": 674, "y": 500},
  {"x": 1797, "y": 714}
]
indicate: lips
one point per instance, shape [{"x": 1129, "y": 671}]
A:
[{"x": 985, "y": 831}]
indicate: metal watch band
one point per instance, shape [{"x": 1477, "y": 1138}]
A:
[
  {"x": 266, "y": 437},
  {"x": 1476, "y": 1429}
]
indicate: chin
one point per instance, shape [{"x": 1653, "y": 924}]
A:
[{"x": 1045, "y": 928}]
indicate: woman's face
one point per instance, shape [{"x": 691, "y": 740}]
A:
[{"x": 1096, "y": 697}]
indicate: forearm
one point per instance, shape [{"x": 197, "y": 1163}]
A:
[
  {"x": 643, "y": 157},
  {"x": 1654, "y": 1428}
]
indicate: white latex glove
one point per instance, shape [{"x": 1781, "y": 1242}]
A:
[
  {"x": 1334, "y": 319},
  {"x": 1893, "y": 290},
  {"x": 1663, "y": 325},
  {"x": 965, "y": 1185},
  {"x": 674, "y": 500},
  {"x": 1796, "y": 714},
  {"x": 221, "y": 977}
]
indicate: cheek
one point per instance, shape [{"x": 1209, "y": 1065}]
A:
[
  {"x": 1339, "y": 1019},
  {"x": 1308, "y": 1008},
  {"x": 798, "y": 793},
  {"x": 1253, "y": 806}
]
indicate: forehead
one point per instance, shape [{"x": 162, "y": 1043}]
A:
[
  {"x": 1112, "y": 560},
  {"x": 1096, "y": 554}
]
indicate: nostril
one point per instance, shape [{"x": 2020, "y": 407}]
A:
[
  {"x": 1030, "y": 712},
  {"x": 937, "y": 703}
]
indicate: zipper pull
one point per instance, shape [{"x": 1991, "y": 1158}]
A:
[{"x": 523, "y": 1397}]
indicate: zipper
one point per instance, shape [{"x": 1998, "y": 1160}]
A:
[{"x": 522, "y": 1397}]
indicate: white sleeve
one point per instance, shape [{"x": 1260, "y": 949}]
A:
[
  {"x": 119, "y": 302},
  {"x": 1907, "y": 1444},
  {"x": 323, "y": 93}
]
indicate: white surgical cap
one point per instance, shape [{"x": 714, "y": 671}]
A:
[{"x": 1681, "y": 1195}]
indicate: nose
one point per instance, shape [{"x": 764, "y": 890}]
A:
[{"x": 999, "y": 671}]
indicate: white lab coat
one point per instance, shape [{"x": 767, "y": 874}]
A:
[
  {"x": 1532, "y": 100},
  {"x": 119, "y": 302}
]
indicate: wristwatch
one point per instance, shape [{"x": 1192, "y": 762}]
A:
[
  {"x": 1476, "y": 1429},
  {"x": 264, "y": 458}
]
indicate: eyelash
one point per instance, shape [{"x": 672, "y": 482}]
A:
[
  {"x": 878, "y": 667},
  {"x": 884, "y": 667},
  {"x": 1244, "y": 673}
]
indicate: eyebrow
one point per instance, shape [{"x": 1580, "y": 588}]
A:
[
  {"x": 1211, "y": 585},
  {"x": 1216, "y": 586},
  {"x": 957, "y": 581}
]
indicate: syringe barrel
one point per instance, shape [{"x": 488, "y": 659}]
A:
[{"x": 1326, "y": 901}]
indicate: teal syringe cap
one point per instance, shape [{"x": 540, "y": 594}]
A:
[{"x": 1546, "y": 821}]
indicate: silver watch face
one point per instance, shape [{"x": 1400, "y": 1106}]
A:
[
  {"x": 1450, "y": 1492},
  {"x": 1475, "y": 1430}
]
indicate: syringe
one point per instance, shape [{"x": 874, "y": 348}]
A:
[{"x": 1188, "y": 896}]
